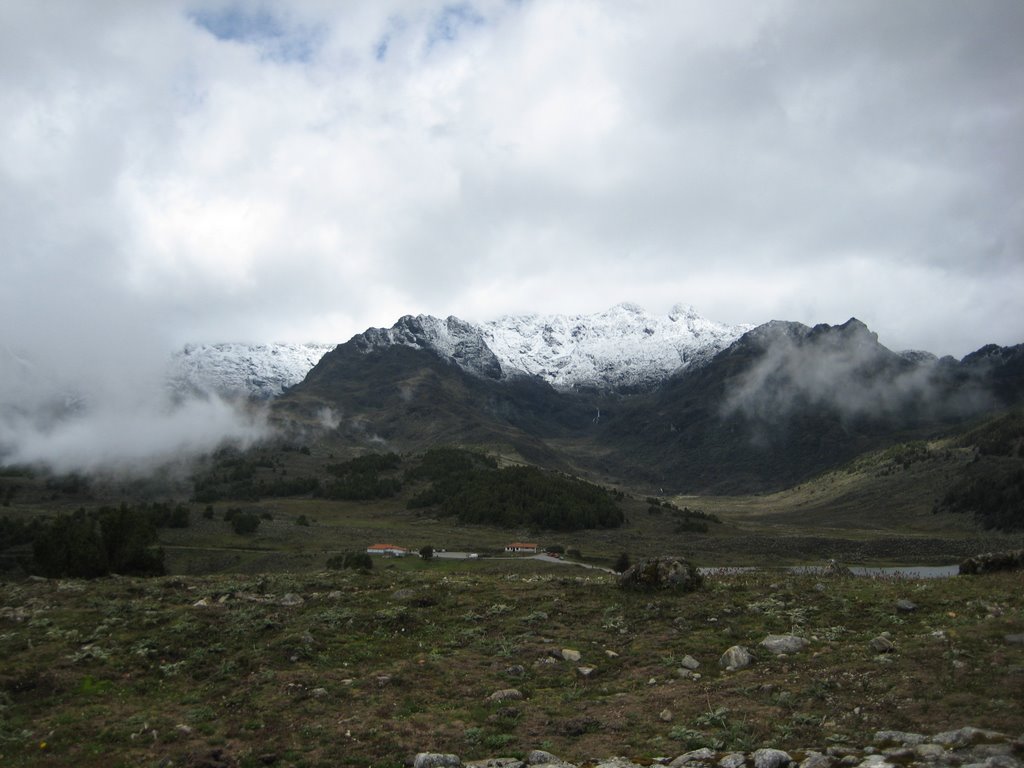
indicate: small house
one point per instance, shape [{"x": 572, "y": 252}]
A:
[
  {"x": 519, "y": 546},
  {"x": 390, "y": 550}
]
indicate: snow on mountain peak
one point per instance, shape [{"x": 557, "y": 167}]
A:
[
  {"x": 624, "y": 346},
  {"x": 255, "y": 370}
]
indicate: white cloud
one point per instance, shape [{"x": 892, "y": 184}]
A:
[{"x": 207, "y": 171}]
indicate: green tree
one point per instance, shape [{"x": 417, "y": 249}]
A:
[{"x": 427, "y": 552}]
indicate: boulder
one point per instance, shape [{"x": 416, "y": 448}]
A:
[
  {"x": 436, "y": 760},
  {"x": 733, "y": 760},
  {"x": 779, "y": 644},
  {"x": 688, "y": 662},
  {"x": 506, "y": 694},
  {"x": 771, "y": 758},
  {"x": 670, "y": 573},
  {"x": 882, "y": 644},
  {"x": 905, "y": 606},
  {"x": 736, "y": 657}
]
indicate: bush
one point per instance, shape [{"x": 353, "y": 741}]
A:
[
  {"x": 110, "y": 540},
  {"x": 302, "y": 520},
  {"x": 427, "y": 552},
  {"x": 245, "y": 522},
  {"x": 356, "y": 560}
]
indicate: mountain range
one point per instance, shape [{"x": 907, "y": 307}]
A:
[{"x": 678, "y": 403}]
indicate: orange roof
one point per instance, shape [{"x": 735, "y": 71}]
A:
[
  {"x": 521, "y": 545},
  {"x": 386, "y": 546}
]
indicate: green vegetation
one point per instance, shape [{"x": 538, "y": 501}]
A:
[
  {"x": 87, "y": 545},
  {"x": 472, "y": 488},
  {"x": 369, "y": 669},
  {"x": 996, "y": 499}
]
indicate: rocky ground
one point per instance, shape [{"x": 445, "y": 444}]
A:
[{"x": 966, "y": 747}]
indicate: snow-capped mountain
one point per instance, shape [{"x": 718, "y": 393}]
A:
[
  {"x": 256, "y": 370},
  {"x": 622, "y": 347}
]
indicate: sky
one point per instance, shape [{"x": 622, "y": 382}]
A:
[{"x": 206, "y": 171}]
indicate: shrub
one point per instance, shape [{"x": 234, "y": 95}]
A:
[
  {"x": 357, "y": 560},
  {"x": 427, "y": 552},
  {"x": 245, "y": 522}
]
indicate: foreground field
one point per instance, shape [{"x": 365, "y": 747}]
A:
[{"x": 329, "y": 669}]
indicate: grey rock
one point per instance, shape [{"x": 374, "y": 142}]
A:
[
  {"x": 291, "y": 599},
  {"x": 929, "y": 752},
  {"x": 876, "y": 761},
  {"x": 816, "y": 760},
  {"x": 1014, "y": 639},
  {"x": 506, "y": 694},
  {"x": 965, "y": 737},
  {"x": 695, "y": 757},
  {"x": 898, "y": 738},
  {"x": 665, "y": 716},
  {"x": 882, "y": 645},
  {"x": 586, "y": 671},
  {"x": 662, "y": 573},
  {"x": 496, "y": 762},
  {"x": 516, "y": 670},
  {"x": 689, "y": 662},
  {"x": 779, "y": 644},
  {"x": 771, "y": 758},
  {"x": 571, "y": 654},
  {"x": 403, "y": 595},
  {"x": 540, "y": 757},
  {"x": 436, "y": 760},
  {"x": 617, "y": 762},
  {"x": 733, "y": 760},
  {"x": 736, "y": 657},
  {"x": 905, "y": 606}
]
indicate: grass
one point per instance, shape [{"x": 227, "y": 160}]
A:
[{"x": 372, "y": 668}]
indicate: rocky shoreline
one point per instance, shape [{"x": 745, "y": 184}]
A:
[{"x": 967, "y": 747}]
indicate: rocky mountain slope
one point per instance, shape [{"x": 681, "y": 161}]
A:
[
  {"x": 784, "y": 401},
  {"x": 625, "y": 348}
]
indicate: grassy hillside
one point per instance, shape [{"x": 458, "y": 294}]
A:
[{"x": 332, "y": 669}]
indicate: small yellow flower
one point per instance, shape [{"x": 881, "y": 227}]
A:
[{"x": 42, "y": 745}]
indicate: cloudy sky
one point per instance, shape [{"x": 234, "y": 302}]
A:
[{"x": 299, "y": 171}]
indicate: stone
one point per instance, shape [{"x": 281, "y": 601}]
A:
[
  {"x": 930, "y": 752},
  {"x": 689, "y": 663},
  {"x": 291, "y": 599},
  {"x": 771, "y": 758},
  {"x": 571, "y": 654},
  {"x": 666, "y": 715},
  {"x": 779, "y": 644},
  {"x": 816, "y": 760},
  {"x": 1017, "y": 639},
  {"x": 898, "y": 738},
  {"x": 882, "y": 644},
  {"x": 876, "y": 761},
  {"x": 696, "y": 757},
  {"x": 496, "y": 762},
  {"x": 905, "y": 606},
  {"x": 736, "y": 657},
  {"x": 539, "y": 757},
  {"x": 617, "y": 762},
  {"x": 733, "y": 760},
  {"x": 586, "y": 671},
  {"x": 669, "y": 573},
  {"x": 436, "y": 760},
  {"x": 611, "y": 654},
  {"x": 318, "y": 693},
  {"x": 965, "y": 737},
  {"x": 506, "y": 694},
  {"x": 516, "y": 670}
]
